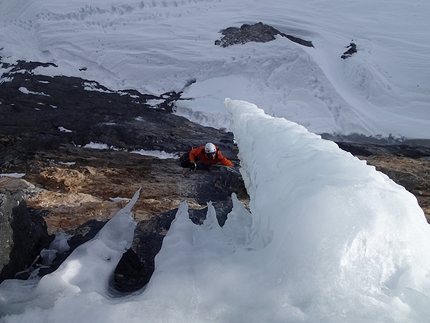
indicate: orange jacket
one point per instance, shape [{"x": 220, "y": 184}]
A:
[{"x": 199, "y": 154}]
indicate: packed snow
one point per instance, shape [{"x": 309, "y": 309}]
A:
[
  {"x": 26, "y": 91},
  {"x": 14, "y": 175},
  {"x": 99, "y": 145},
  {"x": 327, "y": 238},
  {"x": 62, "y": 129},
  {"x": 153, "y": 153}
]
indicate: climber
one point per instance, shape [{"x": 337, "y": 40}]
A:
[{"x": 207, "y": 155}]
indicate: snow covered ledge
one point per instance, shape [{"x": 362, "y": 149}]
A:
[{"x": 341, "y": 229}]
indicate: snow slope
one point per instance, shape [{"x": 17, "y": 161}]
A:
[{"x": 159, "y": 46}]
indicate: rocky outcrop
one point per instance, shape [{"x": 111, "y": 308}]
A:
[
  {"x": 23, "y": 233},
  {"x": 352, "y": 49},
  {"x": 258, "y": 32}
]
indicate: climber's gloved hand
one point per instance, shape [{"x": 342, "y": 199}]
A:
[{"x": 193, "y": 166}]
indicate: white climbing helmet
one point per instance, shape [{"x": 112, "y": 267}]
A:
[{"x": 210, "y": 148}]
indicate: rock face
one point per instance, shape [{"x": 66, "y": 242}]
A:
[
  {"x": 51, "y": 121},
  {"x": 23, "y": 233}
]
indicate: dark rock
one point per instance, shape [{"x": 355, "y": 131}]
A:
[
  {"x": 70, "y": 114},
  {"x": 23, "y": 234},
  {"x": 258, "y": 32},
  {"x": 137, "y": 266},
  {"x": 394, "y": 149},
  {"x": 131, "y": 274},
  {"x": 352, "y": 49}
]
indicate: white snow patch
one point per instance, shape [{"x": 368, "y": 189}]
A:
[
  {"x": 155, "y": 153},
  {"x": 26, "y": 91},
  {"x": 14, "y": 175},
  {"x": 62, "y": 129}
]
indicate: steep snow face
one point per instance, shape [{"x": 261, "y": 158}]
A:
[
  {"x": 156, "y": 46},
  {"x": 327, "y": 238}
]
